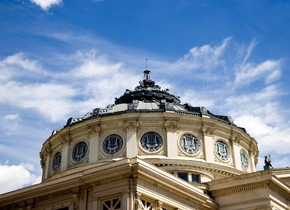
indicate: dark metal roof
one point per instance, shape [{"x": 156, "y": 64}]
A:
[
  {"x": 148, "y": 98},
  {"x": 147, "y": 91}
]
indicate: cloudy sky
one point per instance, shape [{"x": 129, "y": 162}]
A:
[{"x": 63, "y": 58}]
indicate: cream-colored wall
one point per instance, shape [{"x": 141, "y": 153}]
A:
[{"x": 170, "y": 126}]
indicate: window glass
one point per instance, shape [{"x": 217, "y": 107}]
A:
[
  {"x": 112, "y": 204},
  {"x": 195, "y": 178},
  {"x": 182, "y": 176}
]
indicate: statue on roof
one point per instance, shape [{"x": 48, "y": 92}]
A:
[{"x": 267, "y": 161}]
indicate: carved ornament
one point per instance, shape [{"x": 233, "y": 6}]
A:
[
  {"x": 131, "y": 125},
  {"x": 171, "y": 125},
  {"x": 95, "y": 130}
]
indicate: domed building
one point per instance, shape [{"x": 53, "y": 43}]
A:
[{"x": 149, "y": 151}]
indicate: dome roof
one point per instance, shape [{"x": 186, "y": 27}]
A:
[
  {"x": 147, "y": 91},
  {"x": 147, "y": 97}
]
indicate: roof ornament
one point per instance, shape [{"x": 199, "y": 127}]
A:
[
  {"x": 146, "y": 72},
  {"x": 267, "y": 161},
  {"x": 147, "y": 75}
]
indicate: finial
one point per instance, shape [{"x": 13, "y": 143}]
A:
[{"x": 146, "y": 63}]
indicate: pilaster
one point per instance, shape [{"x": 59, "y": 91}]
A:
[{"x": 131, "y": 144}]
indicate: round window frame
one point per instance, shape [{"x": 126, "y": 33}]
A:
[
  {"x": 160, "y": 144},
  {"x": 120, "y": 148},
  {"x": 86, "y": 154},
  {"x": 242, "y": 151},
  {"x": 228, "y": 149},
  {"x": 183, "y": 150},
  {"x": 59, "y": 162}
]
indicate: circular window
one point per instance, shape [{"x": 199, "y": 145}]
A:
[
  {"x": 244, "y": 159},
  {"x": 56, "y": 161},
  {"x": 189, "y": 144},
  {"x": 222, "y": 150},
  {"x": 151, "y": 141},
  {"x": 112, "y": 144},
  {"x": 79, "y": 152}
]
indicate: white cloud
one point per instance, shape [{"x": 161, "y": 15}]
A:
[
  {"x": 205, "y": 58},
  {"x": 46, "y": 4},
  {"x": 12, "y": 117},
  {"x": 93, "y": 65},
  {"x": 69, "y": 93},
  {"x": 20, "y": 60},
  {"x": 52, "y": 100},
  {"x": 16, "y": 176},
  {"x": 9, "y": 124},
  {"x": 249, "y": 72},
  {"x": 18, "y": 66}
]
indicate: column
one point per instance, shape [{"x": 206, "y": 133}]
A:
[
  {"x": 47, "y": 154},
  {"x": 171, "y": 128},
  {"x": 125, "y": 200},
  {"x": 236, "y": 155},
  {"x": 64, "y": 158},
  {"x": 208, "y": 146},
  {"x": 94, "y": 138},
  {"x": 131, "y": 143}
]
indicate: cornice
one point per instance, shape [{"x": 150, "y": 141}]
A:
[{"x": 240, "y": 188}]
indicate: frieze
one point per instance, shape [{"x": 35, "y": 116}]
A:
[
  {"x": 54, "y": 195},
  {"x": 222, "y": 133},
  {"x": 152, "y": 122},
  {"x": 189, "y": 125},
  {"x": 112, "y": 125},
  {"x": 110, "y": 180}
]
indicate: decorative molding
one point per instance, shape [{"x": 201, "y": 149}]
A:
[
  {"x": 208, "y": 130},
  {"x": 193, "y": 203},
  {"x": 93, "y": 130},
  {"x": 48, "y": 150},
  {"x": 238, "y": 189},
  {"x": 171, "y": 125},
  {"x": 133, "y": 126}
]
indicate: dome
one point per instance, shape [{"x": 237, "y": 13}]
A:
[{"x": 151, "y": 123}]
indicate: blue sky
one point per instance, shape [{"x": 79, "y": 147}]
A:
[{"x": 63, "y": 58}]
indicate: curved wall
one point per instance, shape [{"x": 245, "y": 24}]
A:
[{"x": 184, "y": 145}]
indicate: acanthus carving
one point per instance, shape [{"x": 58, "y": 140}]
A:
[
  {"x": 236, "y": 138},
  {"x": 95, "y": 130},
  {"x": 48, "y": 150},
  {"x": 208, "y": 130},
  {"x": 131, "y": 126},
  {"x": 65, "y": 139},
  {"x": 171, "y": 125}
]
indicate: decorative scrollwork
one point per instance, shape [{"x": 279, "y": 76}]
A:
[
  {"x": 131, "y": 125},
  {"x": 171, "y": 125}
]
